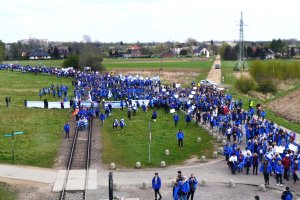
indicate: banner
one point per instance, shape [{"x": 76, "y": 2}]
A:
[
  {"x": 117, "y": 104},
  {"x": 40, "y": 104}
]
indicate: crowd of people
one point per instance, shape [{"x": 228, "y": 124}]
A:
[{"x": 252, "y": 140}]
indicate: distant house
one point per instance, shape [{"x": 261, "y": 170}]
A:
[
  {"x": 178, "y": 48},
  {"x": 201, "y": 52},
  {"x": 39, "y": 55},
  {"x": 168, "y": 54},
  {"x": 135, "y": 51},
  {"x": 270, "y": 54},
  {"x": 63, "y": 52}
]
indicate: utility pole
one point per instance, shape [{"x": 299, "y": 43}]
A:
[{"x": 241, "y": 57}]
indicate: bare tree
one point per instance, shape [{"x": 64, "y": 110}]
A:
[{"x": 87, "y": 38}]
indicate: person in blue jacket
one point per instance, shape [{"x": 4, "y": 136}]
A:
[
  {"x": 278, "y": 171},
  {"x": 188, "y": 119},
  {"x": 102, "y": 118},
  {"x": 115, "y": 124},
  {"x": 176, "y": 191},
  {"x": 180, "y": 137},
  {"x": 193, "y": 183},
  {"x": 67, "y": 130},
  {"x": 184, "y": 188},
  {"x": 176, "y": 119},
  {"x": 156, "y": 184},
  {"x": 266, "y": 169},
  {"x": 122, "y": 123}
]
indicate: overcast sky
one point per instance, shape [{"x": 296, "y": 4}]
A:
[{"x": 147, "y": 20}]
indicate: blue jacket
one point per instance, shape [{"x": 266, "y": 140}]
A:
[
  {"x": 176, "y": 118},
  {"x": 180, "y": 135},
  {"x": 176, "y": 190},
  {"x": 184, "y": 187},
  {"x": 279, "y": 169},
  {"x": 269, "y": 168},
  {"x": 157, "y": 184},
  {"x": 67, "y": 127},
  {"x": 195, "y": 183}
]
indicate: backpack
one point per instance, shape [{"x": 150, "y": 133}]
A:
[{"x": 286, "y": 195}]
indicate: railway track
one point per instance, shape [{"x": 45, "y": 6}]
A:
[{"x": 79, "y": 159}]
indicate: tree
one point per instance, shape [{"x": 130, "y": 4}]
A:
[
  {"x": 277, "y": 45},
  {"x": 293, "y": 51},
  {"x": 2, "y": 51},
  {"x": 87, "y": 38},
  {"x": 90, "y": 57},
  {"x": 72, "y": 61},
  {"x": 191, "y": 42},
  {"x": 55, "y": 53}
]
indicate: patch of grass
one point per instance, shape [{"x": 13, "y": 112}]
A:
[
  {"x": 157, "y": 65},
  {"x": 7, "y": 192},
  {"x": 126, "y": 147},
  {"x": 43, "y": 128},
  {"x": 227, "y": 72},
  {"x": 52, "y": 63}
]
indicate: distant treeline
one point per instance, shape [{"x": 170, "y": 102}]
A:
[{"x": 272, "y": 70}]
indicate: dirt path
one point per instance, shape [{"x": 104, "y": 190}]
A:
[
  {"x": 287, "y": 107},
  {"x": 214, "y": 75}
]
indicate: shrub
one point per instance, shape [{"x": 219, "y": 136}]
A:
[
  {"x": 245, "y": 84},
  {"x": 266, "y": 86}
]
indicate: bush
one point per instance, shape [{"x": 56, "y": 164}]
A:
[
  {"x": 71, "y": 61},
  {"x": 245, "y": 84},
  {"x": 267, "y": 86}
]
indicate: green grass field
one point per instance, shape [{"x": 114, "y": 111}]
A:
[
  {"x": 52, "y": 63},
  {"x": 6, "y": 192},
  {"x": 126, "y": 147},
  {"x": 229, "y": 79},
  {"x": 43, "y": 128}
]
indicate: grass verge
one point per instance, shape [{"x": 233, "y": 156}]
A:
[
  {"x": 126, "y": 147},
  {"x": 6, "y": 192},
  {"x": 227, "y": 72},
  {"x": 43, "y": 128}
]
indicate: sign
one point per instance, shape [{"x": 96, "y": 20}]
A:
[
  {"x": 193, "y": 92},
  {"x": 191, "y": 96},
  {"x": 194, "y": 88},
  {"x": 294, "y": 148},
  {"x": 279, "y": 149},
  {"x": 172, "y": 110},
  {"x": 178, "y": 85},
  {"x": 117, "y": 104},
  {"x": 176, "y": 96}
]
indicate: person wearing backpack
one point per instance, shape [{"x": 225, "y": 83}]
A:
[
  {"x": 184, "y": 188},
  {"x": 287, "y": 195}
]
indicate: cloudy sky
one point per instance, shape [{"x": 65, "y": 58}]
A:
[{"x": 147, "y": 20}]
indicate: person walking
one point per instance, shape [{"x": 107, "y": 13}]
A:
[
  {"x": 102, "y": 118},
  {"x": 25, "y": 103},
  {"x": 176, "y": 119},
  {"x": 156, "y": 184},
  {"x": 6, "y": 101},
  {"x": 193, "y": 183},
  {"x": 278, "y": 172},
  {"x": 67, "y": 130},
  {"x": 266, "y": 168},
  {"x": 286, "y": 161},
  {"x": 184, "y": 188},
  {"x": 180, "y": 137}
]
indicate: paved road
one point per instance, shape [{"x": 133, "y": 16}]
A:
[{"x": 214, "y": 75}]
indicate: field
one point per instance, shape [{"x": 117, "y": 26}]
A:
[
  {"x": 52, "y": 63},
  {"x": 126, "y": 147},
  {"x": 6, "y": 192},
  {"x": 43, "y": 128},
  {"x": 229, "y": 79},
  {"x": 183, "y": 70}
]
